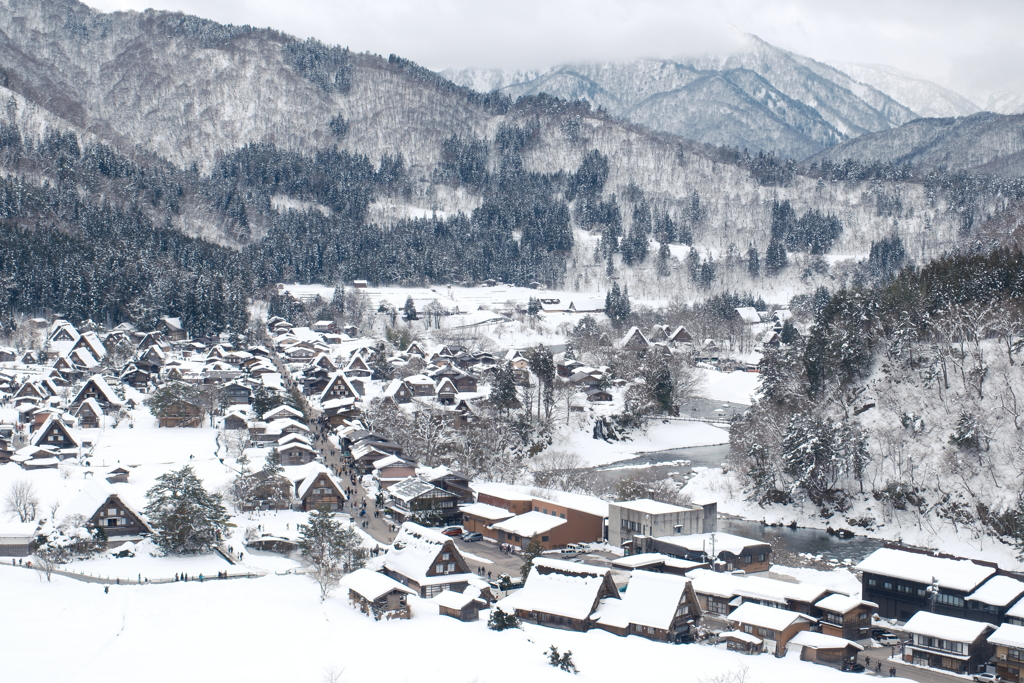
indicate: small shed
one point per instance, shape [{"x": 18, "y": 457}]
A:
[
  {"x": 461, "y": 606},
  {"x": 377, "y": 595},
  {"x": 17, "y": 539},
  {"x": 738, "y": 641},
  {"x": 825, "y": 649}
]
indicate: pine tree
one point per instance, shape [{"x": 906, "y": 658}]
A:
[
  {"x": 534, "y": 550},
  {"x": 330, "y": 548},
  {"x": 504, "y": 395},
  {"x": 410, "y": 309},
  {"x": 185, "y": 517},
  {"x": 753, "y": 262},
  {"x": 664, "y": 258},
  {"x": 500, "y": 620},
  {"x": 775, "y": 258}
]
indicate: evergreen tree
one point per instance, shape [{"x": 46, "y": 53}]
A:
[
  {"x": 331, "y": 549},
  {"x": 185, "y": 517},
  {"x": 664, "y": 260},
  {"x": 410, "y": 309},
  {"x": 775, "y": 258},
  {"x": 534, "y": 550},
  {"x": 500, "y": 620},
  {"x": 753, "y": 262},
  {"x": 504, "y": 395},
  {"x": 533, "y": 307}
]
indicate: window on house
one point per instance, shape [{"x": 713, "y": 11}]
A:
[
  {"x": 562, "y": 515},
  {"x": 746, "y": 559},
  {"x": 111, "y": 511},
  {"x": 544, "y": 538},
  {"x": 887, "y": 585},
  {"x": 446, "y": 556},
  {"x": 451, "y": 566},
  {"x": 761, "y": 557},
  {"x": 872, "y": 582},
  {"x": 439, "y": 568}
]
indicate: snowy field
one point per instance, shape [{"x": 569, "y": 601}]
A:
[
  {"x": 276, "y": 629},
  {"x": 660, "y": 436}
]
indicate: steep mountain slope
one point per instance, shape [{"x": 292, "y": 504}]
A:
[
  {"x": 928, "y": 99},
  {"x": 984, "y": 142},
  {"x": 762, "y": 98},
  {"x": 309, "y": 163}
]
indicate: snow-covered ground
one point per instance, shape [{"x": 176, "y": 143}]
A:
[
  {"x": 660, "y": 436},
  {"x": 276, "y": 629}
]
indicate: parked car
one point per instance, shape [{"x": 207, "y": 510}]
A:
[
  {"x": 470, "y": 536},
  {"x": 857, "y": 668},
  {"x": 987, "y": 678},
  {"x": 453, "y": 531},
  {"x": 884, "y": 637}
]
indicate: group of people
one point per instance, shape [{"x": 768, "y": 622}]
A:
[{"x": 508, "y": 548}]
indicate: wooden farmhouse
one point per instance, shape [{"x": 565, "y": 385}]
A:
[
  {"x": 377, "y": 595},
  {"x": 426, "y": 561},
  {"x": 55, "y": 434},
  {"x": 821, "y": 648},
  {"x": 774, "y": 626},
  {"x": 950, "y": 643},
  {"x": 320, "y": 489},
  {"x": 661, "y": 607},
  {"x": 97, "y": 389},
  {"x": 461, "y": 606},
  {"x": 100, "y": 503},
  {"x": 1008, "y": 640},
  {"x": 634, "y": 340},
  {"x": 180, "y": 414},
  {"x": 88, "y": 413},
  {"x": 561, "y": 594},
  {"x": 846, "y": 617}
]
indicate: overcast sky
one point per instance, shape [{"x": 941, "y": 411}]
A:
[{"x": 973, "y": 46}]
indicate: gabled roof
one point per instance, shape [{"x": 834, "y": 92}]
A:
[
  {"x": 556, "y": 587},
  {"x": 92, "y": 405},
  {"x": 313, "y": 476},
  {"x": 282, "y": 411},
  {"x": 102, "y": 387},
  {"x": 395, "y": 386},
  {"x": 372, "y": 585},
  {"x": 529, "y": 524},
  {"x": 999, "y": 591},
  {"x": 411, "y": 488},
  {"x": 960, "y": 575},
  {"x": 946, "y": 628},
  {"x": 54, "y": 422},
  {"x": 414, "y": 550},
  {"x": 651, "y": 599},
  {"x": 767, "y": 617},
  {"x": 95, "y": 494}
]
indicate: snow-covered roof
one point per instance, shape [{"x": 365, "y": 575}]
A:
[
  {"x": 841, "y": 603},
  {"x": 722, "y": 543},
  {"x": 18, "y": 530},
  {"x": 651, "y": 507},
  {"x": 651, "y": 599},
  {"x": 104, "y": 388},
  {"x": 748, "y": 314},
  {"x": 414, "y": 550},
  {"x": 946, "y": 628},
  {"x": 313, "y": 475},
  {"x": 389, "y": 461},
  {"x": 960, "y": 575},
  {"x": 529, "y": 524},
  {"x": 485, "y": 511},
  {"x": 371, "y": 585},
  {"x": 577, "y": 501},
  {"x": 728, "y": 585},
  {"x": 410, "y": 488},
  {"x": 999, "y": 591},
  {"x": 570, "y": 590},
  {"x": 639, "y": 560},
  {"x": 288, "y": 438},
  {"x": 279, "y": 425},
  {"x": 499, "y": 490},
  {"x": 821, "y": 641},
  {"x": 1017, "y": 610},
  {"x": 282, "y": 411},
  {"x": 1008, "y": 635},
  {"x": 764, "y": 616},
  {"x": 453, "y": 600},
  {"x": 94, "y": 494},
  {"x": 740, "y": 635}
]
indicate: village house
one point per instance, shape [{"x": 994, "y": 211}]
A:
[
  {"x": 88, "y": 414},
  {"x": 726, "y": 551},
  {"x": 561, "y": 594},
  {"x": 551, "y": 524},
  {"x": 898, "y": 581},
  {"x": 392, "y": 469},
  {"x": 172, "y": 329},
  {"x": 235, "y": 420},
  {"x": 320, "y": 489},
  {"x": 426, "y": 561},
  {"x": 651, "y": 518},
  {"x": 17, "y": 539},
  {"x": 1008, "y": 640},
  {"x": 413, "y": 499},
  {"x": 101, "y": 504},
  {"x": 846, "y": 617},
  {"x": 295, "y": 451},
  {"x": 720, "y": 593},
  {"x": 180, "y": 414},
  {"x": 660, "y": 607},
  {"x": 775, "y": 627},
  {"x": 96, "y": 388},
  {"x": 398, "y": 392},
  {"x": 828, "y": 650},
  {"x": 949, "y": 643},
  {"x": 55, "y": 434},
  {"x": 377, "y": 595},
  {"x": 634, "y": 340}
]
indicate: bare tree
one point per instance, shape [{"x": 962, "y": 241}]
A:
[
  {"x": 22, "y": 500},
  {"x": 562, "y": 471}
]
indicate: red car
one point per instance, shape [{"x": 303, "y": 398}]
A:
[{"x": 453, "y": 531}]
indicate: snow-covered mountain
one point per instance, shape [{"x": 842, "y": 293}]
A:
[
  {"x": 761, "y": 98},
  {"x": 984, "y": 142},
  {"x": 922, "y": 96}
]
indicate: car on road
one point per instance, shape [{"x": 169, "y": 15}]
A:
[
  {"x": 855, "y": 668},
  {"x": 884, "y": 637},
  {"x": 987, "y": 678},
  {"x": 470, "y": 536},
  {"x": 453, "y": 531}
]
